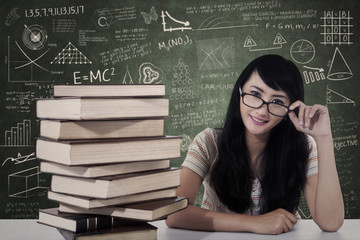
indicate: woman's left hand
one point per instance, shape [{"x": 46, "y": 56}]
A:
[{"x": 312, "y": 120}]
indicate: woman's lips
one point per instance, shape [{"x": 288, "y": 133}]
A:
[{"x": 257, "y": 121}]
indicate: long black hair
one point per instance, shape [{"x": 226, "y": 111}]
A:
[{"x": 283, "y": 161}]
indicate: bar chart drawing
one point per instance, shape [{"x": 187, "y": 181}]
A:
[{"x": 19, "y": 135}]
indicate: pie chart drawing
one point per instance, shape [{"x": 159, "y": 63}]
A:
[{"x": 302, "y": 51}]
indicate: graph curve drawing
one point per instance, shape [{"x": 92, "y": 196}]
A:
[{"x": 71, "y": 55}]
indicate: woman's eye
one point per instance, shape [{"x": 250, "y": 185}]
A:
[
  {"x": 255, "y": 93},
  {"x": 278, "y": 101}
]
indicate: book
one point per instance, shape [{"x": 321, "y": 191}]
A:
[
  {"x": 115, "y": 186},
  {"x": 78, "y": 222},
  {"x": 144, "y": 231},
  {"x": 101, "y": 108},
  {"x": 86, "y": 202},
  {"x": 84, "y": 152},
  {"x": 112, "y": 90},
  {"x": 95, "y": 171},
  {"x": 145, "y": 211},
  {"x": 69, "y": 130}
]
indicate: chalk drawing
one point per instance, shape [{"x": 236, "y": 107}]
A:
[
  {"x": 333, "y": 97},
  {"x": 19, "y": 135},
  {"x": 127, "y": 76},
  {"x": 337, "y": 28},
  {"x": 302, "y": 51},
  {"x": 277, "y": 43},
  {"x": 25, "y": 184},
  {"x": 339, "y": 69},
  {"x": 184, "y": 24},
  {"x": 71, "y": 55},
  {"x": 215, "y": 23},
  {"x": 216, "y": 53},
  {"x": 20, "y": 159},
  {"x": 185, "y": 142},
  {"x": 152, "y": 16},
  {"x": 149, "y": 74},
  {"x": 12, "y": 17},
  {"x": 34, "y": 37}
]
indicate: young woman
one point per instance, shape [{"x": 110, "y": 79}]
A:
[{"x": 272, "y": 147}]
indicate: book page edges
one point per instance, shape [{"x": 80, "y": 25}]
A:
[{"x": 54, "y": 151}]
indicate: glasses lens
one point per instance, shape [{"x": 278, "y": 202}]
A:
[
  {"x": 277, "y": 109},
  {"x": 252, "y": 101}
]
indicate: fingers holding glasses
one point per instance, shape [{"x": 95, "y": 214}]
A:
[
  {"x": 313, "y": 120},
  {"x": 305, "y": 114}
]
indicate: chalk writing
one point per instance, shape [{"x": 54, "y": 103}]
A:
[
  {"x": 22, "y": 210},
  {"x": 124, "y": 53},
  {"x": 64, "y": 25},
  {"x": 94, "y": 76},
  {"x": 179, "y": 41},
  {"x": 54, "y": 11}
]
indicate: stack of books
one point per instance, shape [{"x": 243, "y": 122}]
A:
[{"x": 110, "y": 161}]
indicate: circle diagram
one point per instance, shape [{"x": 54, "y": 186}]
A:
[
  {"x": 302, "y": 51},
  {"x": 34, "y": 37}
]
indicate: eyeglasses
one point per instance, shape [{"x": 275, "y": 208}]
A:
[{"x": 257, "y": 102}]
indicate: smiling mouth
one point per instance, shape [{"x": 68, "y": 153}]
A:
[{"x": 258, "y": 121}]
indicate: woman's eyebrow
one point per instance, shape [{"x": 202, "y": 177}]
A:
[{"x": 261, "y": 90}]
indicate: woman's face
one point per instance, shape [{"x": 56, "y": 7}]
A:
[{"x": 259, "y": 122}]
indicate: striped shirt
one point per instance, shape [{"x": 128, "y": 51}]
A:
[{"x": 203, "y": 153}]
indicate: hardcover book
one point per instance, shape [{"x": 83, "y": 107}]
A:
[
  {"x": 98, "y": 129},
  {"x": 86, "y": 202},
  {"x": 101, "y": 108},
  {"x": 111, "y": 90},
  {"x": 85, "y": 152},
  {"x": 142, "y": 231},
  {"x": 78, "y": 222},
  {"x": 96, "y": 171},
  {"x": 115, "y": 186},
  {"x": 146, "y": 211}
]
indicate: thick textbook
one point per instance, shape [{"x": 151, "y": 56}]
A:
[
  {"x": 116, "y": 186},
  {"x": 146, "y": 211},
  {"x": 143, "y": 231},
  {"x": 101, "y": 108},
  {"x": 98, "y": 129},
  {"x": 77, "y": 222},
  {"x": 109, "y": 90},
  {"x": 95, "y": 171},
  {"x": 86, "y": 202},
  {"x": 83, "y": 152}
]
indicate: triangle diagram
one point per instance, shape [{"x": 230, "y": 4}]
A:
[
  {"x": 71, "y": 55},
  {"x": 279, "y": 39},
  {"x": 333, "y": 97},
  {"x": 249, "y": 42},
  {"x": 339, "y": 69}
]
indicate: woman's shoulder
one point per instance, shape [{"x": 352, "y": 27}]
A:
[
  {"x": 311, "y": 142},
  {"x": 209, "y": 134}
]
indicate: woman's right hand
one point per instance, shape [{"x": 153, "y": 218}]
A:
[{"x": 275, "y": 222}]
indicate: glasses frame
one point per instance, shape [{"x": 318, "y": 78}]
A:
[{"x": 243, "y": 94}]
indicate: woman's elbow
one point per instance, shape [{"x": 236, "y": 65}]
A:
[
  {"x": 331, "y": 226},
  {"x": 171, "y": 221}
]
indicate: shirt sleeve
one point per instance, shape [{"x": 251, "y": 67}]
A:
[
  {"x": 313, "y": 158},
  {"x": 202, "y": 152}
]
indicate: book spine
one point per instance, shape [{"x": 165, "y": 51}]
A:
[{"x": 96, "y": 223}]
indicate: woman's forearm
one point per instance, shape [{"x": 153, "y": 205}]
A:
[
  {"x": 195, "y": 218},
  {"x": 329, "y": 206},
  {"x": 275, "y": 222}
]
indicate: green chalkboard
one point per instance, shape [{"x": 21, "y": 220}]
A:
[{"x": 196, "y": 48}]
